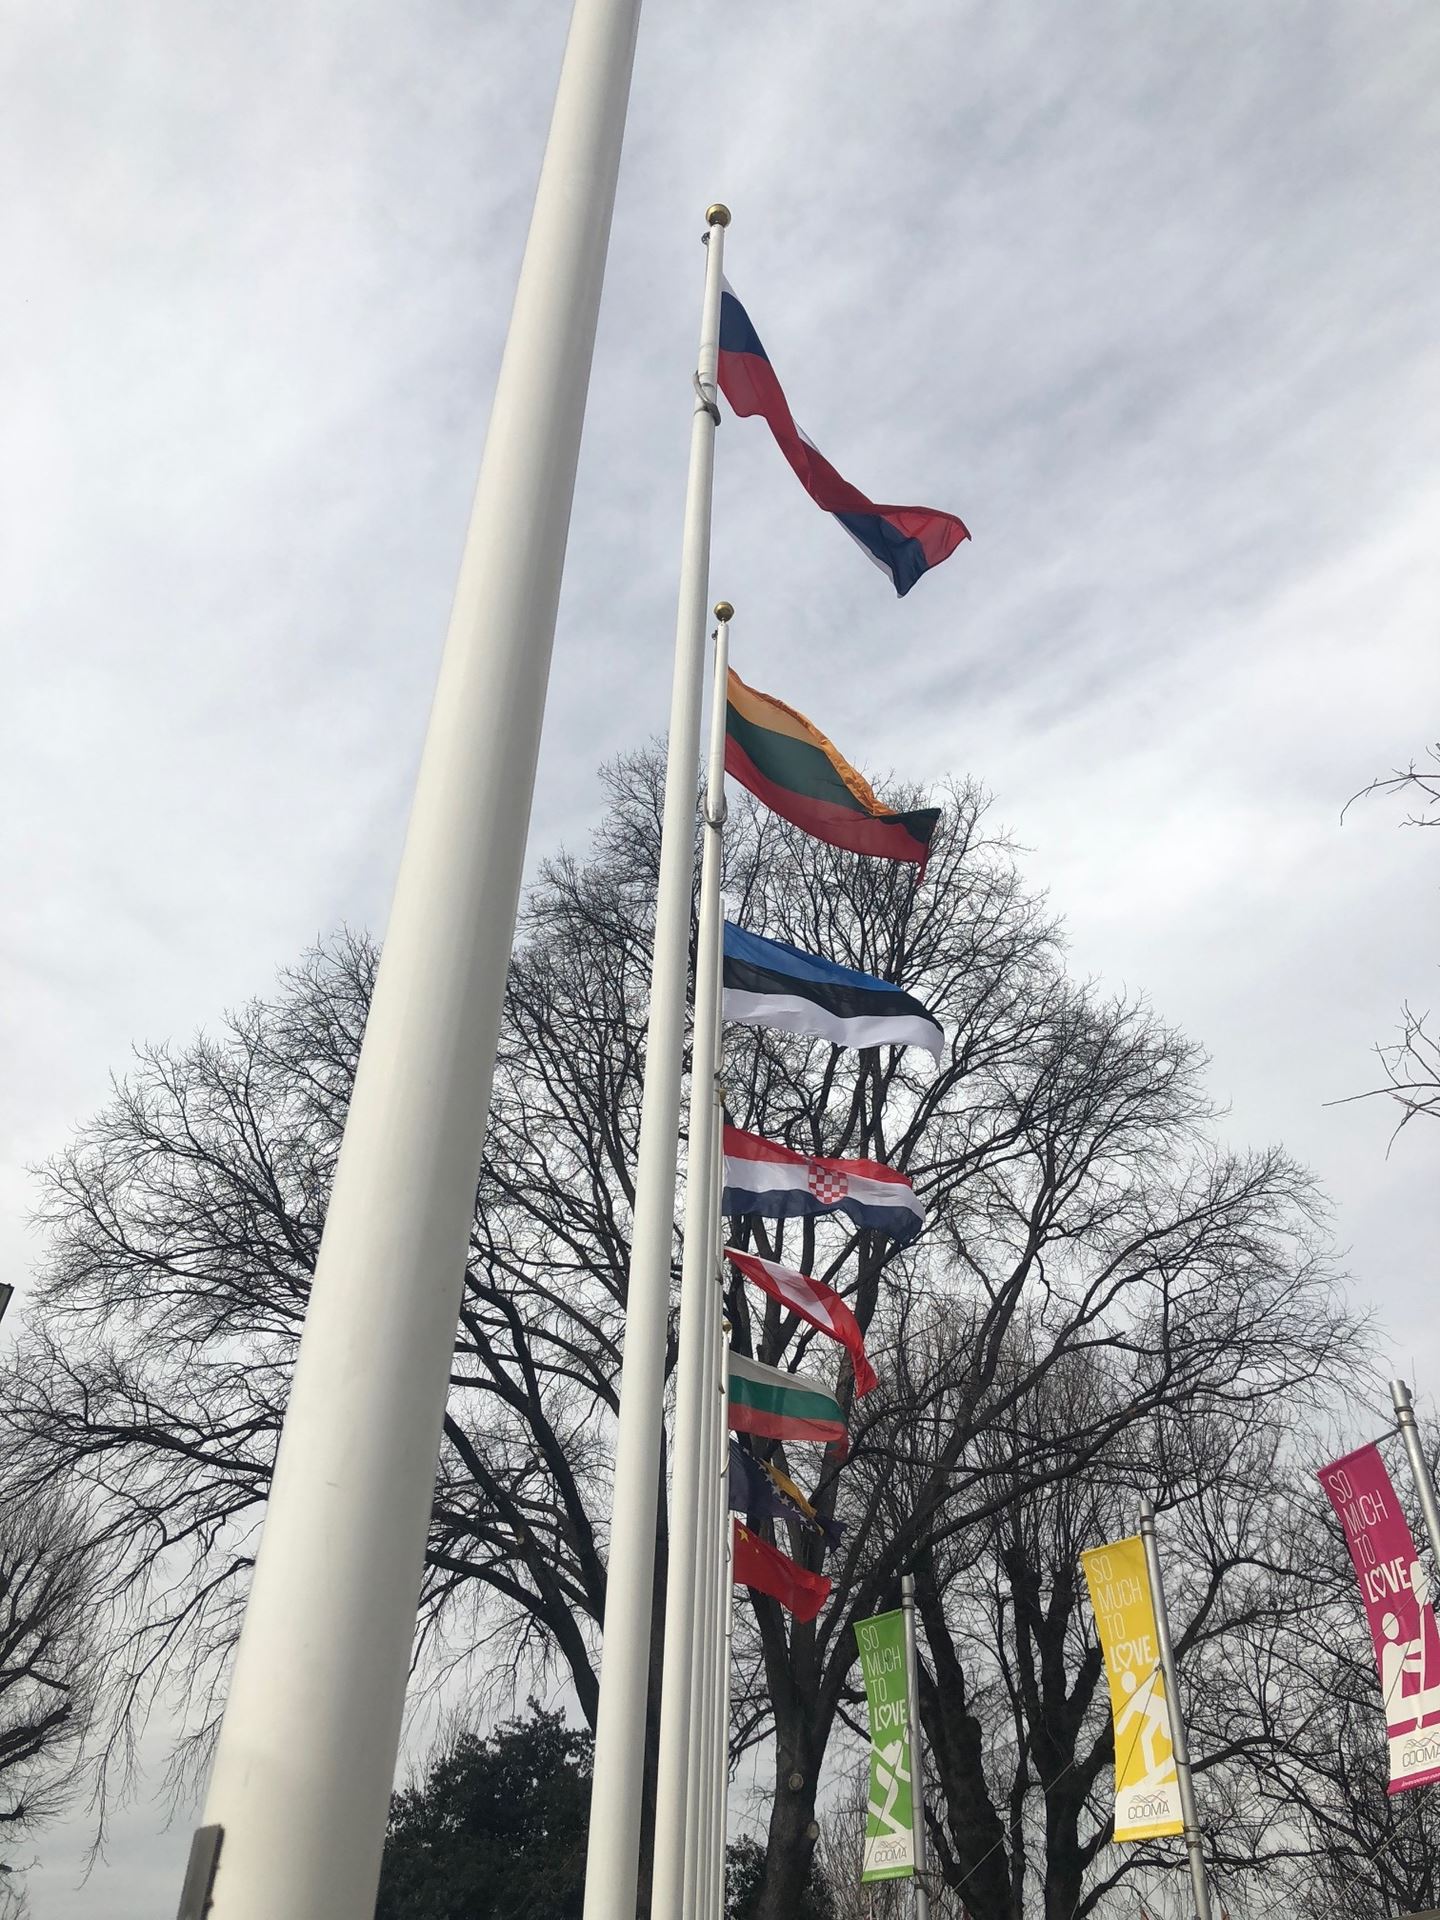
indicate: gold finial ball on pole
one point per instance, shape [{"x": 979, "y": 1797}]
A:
[
  {"x": 717, "y": 216},
  {"x": 724, "y": 610}
]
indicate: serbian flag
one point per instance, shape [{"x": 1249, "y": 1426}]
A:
[
  {"x": 820, "y": 1306},
  {"x": 784, "y": 760},
  {"x": 904, "y": 542},
  {"x": 757, "y": 1564},
  {"x": 776, "y": 1183},
  {"x": 769, "y": 983}
]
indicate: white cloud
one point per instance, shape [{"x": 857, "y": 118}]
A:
[{"x": 1149, "y": 296}]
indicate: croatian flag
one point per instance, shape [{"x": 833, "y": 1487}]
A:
[
  {"x": 815, "y": 1303},
  {"x": 769, "y": 983},
  {"x": 904, "y": 542},
  {"x": 776, "y": 1183}
]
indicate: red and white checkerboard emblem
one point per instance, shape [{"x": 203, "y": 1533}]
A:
[{"x": 827, "y": 1184}]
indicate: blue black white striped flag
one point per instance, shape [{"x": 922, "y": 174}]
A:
[{"x": 771, "y": 984}]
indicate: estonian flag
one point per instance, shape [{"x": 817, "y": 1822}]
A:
[
  {"x": 771, "y": 984},
  {"x": 904, "y": 542},
  {"x": 776, "y": 1183}
]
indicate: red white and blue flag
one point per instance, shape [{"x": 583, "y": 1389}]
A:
[
  {"x": 776, "y": 1183},
  {"x": 904, "y": 542}
]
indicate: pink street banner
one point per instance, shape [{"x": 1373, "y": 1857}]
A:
[{"x": 1396, "y": 1591}]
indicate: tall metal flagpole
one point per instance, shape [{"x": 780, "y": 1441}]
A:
[
  {"x": 300, "y": 1787},
  {"x": 690, "y": 1463},
  {"x": 714, "y": 1513},
  {"x": 612, "y": 1860},
  {"x": 917, "y": 1770},
  {"x": 698, "y": 1771},
  {"x": 1419, "y": 1467},
  {"x": 722, "y": 1750},
  {"x": 1180, "y": 1745},
  {"x": 723, "y": 1533}
]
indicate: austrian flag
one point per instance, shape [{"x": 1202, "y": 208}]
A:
[
  {"x": 814, "y": 1302},
  {"x": 777, "y": 1183}
]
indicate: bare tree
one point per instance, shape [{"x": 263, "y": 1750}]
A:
[
  {"x": 1411, "y": 1064},
  {"x": 1321, "y": 1778},
  {"x": 1420, "y": 786},
  {"x": 1411, "y": 1067},
  {"x": 1078, "y": 1202},
  {"x": 48, "y": 1670},
  {"x": 1014, "y": 1698},
  {"x": 840, "y": 1852}
]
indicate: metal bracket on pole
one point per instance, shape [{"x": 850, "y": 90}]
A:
[
  {"x": 707, "y": 401},
  {"x": 1419, "y": 1467}
]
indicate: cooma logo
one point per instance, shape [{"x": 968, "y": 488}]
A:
[
  {"x": 1144, "y": 1807},
  {"x": 1421, "y": 1750},
  {"x": 894, "y": 1852}
]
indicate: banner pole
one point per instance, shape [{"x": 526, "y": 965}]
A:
[
  {"x": 1419, "y": 1467},
  {"x": 690, "y": 1461},
  {"x": 917, "y": 1771},
  {"x": 299, "y": 1789},
  {"x": 1178, "y": 1741},
  {"x": 613, "y": 1854}
]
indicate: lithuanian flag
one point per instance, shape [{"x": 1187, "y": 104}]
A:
[{"x": 794, "y": 769}]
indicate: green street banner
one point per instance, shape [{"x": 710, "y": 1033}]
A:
[{"x": 890, "y": 1811}]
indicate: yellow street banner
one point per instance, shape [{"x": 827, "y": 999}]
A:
[{"x": 1147, "y": 1787}]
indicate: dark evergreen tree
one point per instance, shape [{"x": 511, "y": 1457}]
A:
[{"x": 496, "y": 1831}]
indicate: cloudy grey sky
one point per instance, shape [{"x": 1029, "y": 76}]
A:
[{"x": 1151, "y": 296}]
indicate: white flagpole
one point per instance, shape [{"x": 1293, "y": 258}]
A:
[
  {"x": 722, "y": 1757},
  {"x": 695, "y": 1772},
  {"x": 1188, "y": 1810},
  {"x": 300, "y": 1788},
  {"x": 715, "y": 1435},
  {"x": 691, "y": 1463},
  {"x": 710, "y": 1681},
  {"x": 612, "y": 1860},
  {"x": 713, "y": 1515},
  {"x": 724, "y": 1546},
  {"x": 1419, "y": 1466}
]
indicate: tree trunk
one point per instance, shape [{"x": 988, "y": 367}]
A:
[
  {"x": 1064, "y": 1861},
  {"x": 790, "y": 1844}
]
